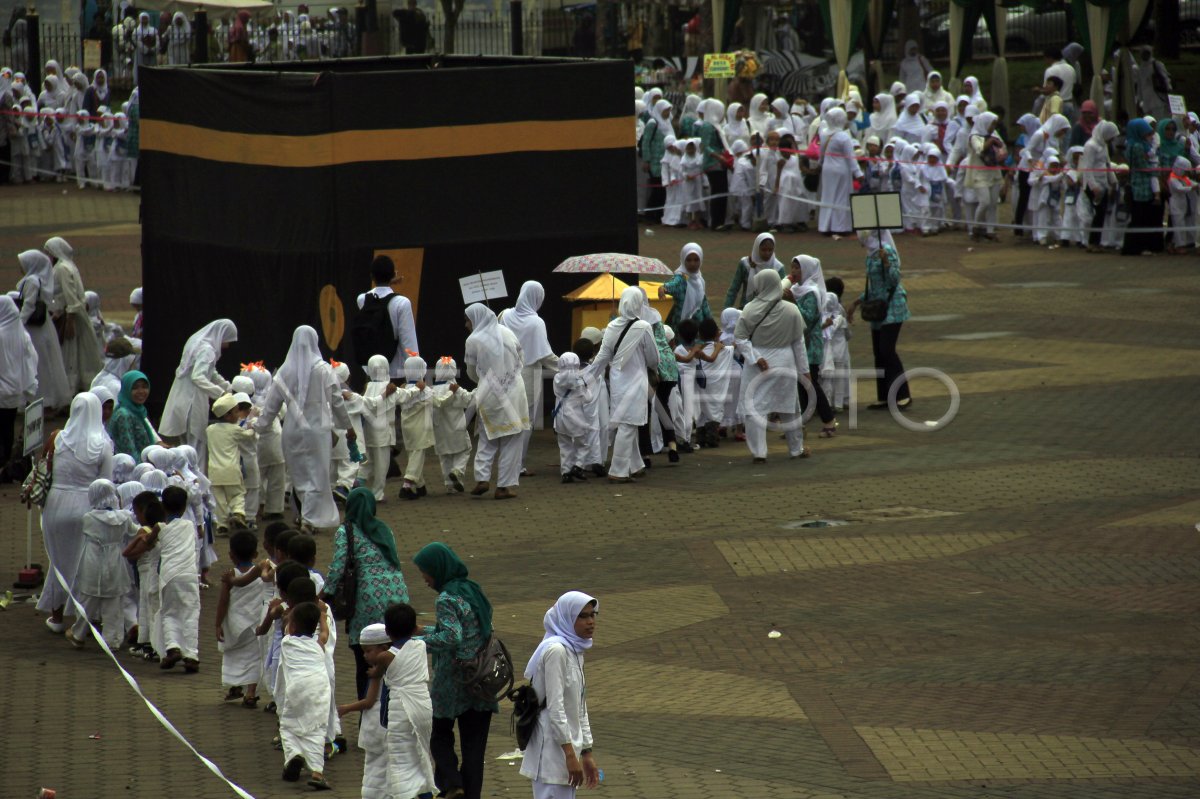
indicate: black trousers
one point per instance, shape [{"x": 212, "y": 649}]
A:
[
  {"x": 824, "y": 409},
  {"x": 662, "y": 397},
  {"x": 360, "y": 670},
  {"x": 472, "y": 738},
  {"x": 718, "y": 182},
  {"x": 8, "y": 420},
  {"x": 1148, "y": 214},
  {"x": 656, "y": 199},
  {"x": 1022, "y": 201},
  {"x": 883, "y": 344},
  {"x": 1098, "y": 220}
]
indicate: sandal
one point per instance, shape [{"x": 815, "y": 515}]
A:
[
  {"x": 235, "y": 692},
  {"x": 828, "y": 431},
  {"x": 250, "y": 702},
  {"x": 804, "y": 453}
]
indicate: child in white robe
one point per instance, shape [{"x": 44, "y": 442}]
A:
[
  {"x": 101, "y": 152},
  {"x": 692, "y": 195},
  {"x": 743, "y": 184},
  {"x": 85, "y": 144},
  {"x": 572, "y": 393},
  {"x": 686, "y": 355},
  {"x": 177, "y": 628},
  {"x": 372, "y": 735},
  {"x": 147, "y": 512},
  {"x": 243, "y": 392},
  {"x": 118, "y": 154},
  {"x": 409, "y": 709},
  {"x": 272, "y": 472},
  {"x": 1050, "y": 186},
  {"x": 599, "y": 435},
  {"x": 731, "y": 420},
  {"x": 225, "y": 440},
  {"x": 416, "y": 423},
  {"x": 672, "y": 181},
  {"x": 378, "y": 423},
  {"x": 345, "y": 467},
  {"x": 835, "y": 371},
  {"x": 307, "y": 589},
  {"x": 710, "y": 397},
  {"x": 936, "y": 178},
  {"x": 101, "y": 578},
  {"x": 1073, "y": 221},
  {"x": 305, "y": 694},
  {"x": 238, "y": 612},
  {"x": 451, "y": 441},
  {"x": 1182, "y": 206}
]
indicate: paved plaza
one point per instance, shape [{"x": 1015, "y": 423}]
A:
[{"x": 1005, "y": 607}]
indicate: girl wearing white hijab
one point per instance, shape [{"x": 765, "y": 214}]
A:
[
  {"x": 781, "y": 117},
  {"x": 735, "y": 124},
  {"x": 305, "y": 383},
  {"x": 691, "y": 114},
  {"x": 839, "y": 168},
  {"x": 101, "y": 575},
  {"x": 18, "y": 372},
  {"x": 559, "y": 756},
  {"x": 883, "y": 117},
  {"x": 910, "y": 125},
  {"x": 1099, "y": 182},
  {"x": 494, "y": 361},
  {"x": 687, "y": 287},
  {"x": 37, "y": 300},
  {"x": 82, "y": 353},
  {"x": 629, "y": 346},
  {"x": 934, "y": 94},
  {"x": 770, "y": 338},
  {"x": 82, "y": 454},
  {"x": 807, "y": 285},
  {"x": 539, "y": 359},
  {"x": 970, "y": 87},
  {"x": 983, "y": 179},
  {"x": 914, "y": 67},
  {"x": 197, "y": 382},
  {"x": 762, "y": 256},
  {"x": 733, "y": 390},
  {"x": 760, "y": 115}
]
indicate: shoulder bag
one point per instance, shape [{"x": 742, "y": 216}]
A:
[
  {"x": 488, "y": 676},
  {"x": 651, "y": 373},
  {"x": 877, "y": 310},
  {"x": 36, "y": 487},
  {"x": 345, "y": 597}
]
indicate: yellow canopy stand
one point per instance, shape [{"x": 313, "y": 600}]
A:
[{"x": 596, "y": 302}]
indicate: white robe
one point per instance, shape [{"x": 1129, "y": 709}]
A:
[
  {"x": 410, "y": 721},
  {"x": 62, "y": 520},
  {"x": 838, "y": 170},
  {"x": 559, "y": 679},
  {"x": 52, "y": 375},
  {"x": 186, "y": 411},
  {"x": 177, "y": 626},
  {"x": 304, "y": 703},
  {"x": 242, "y": 650},
  {"x": 82, "y": 354},
  {"x": 501, "y": 403},
  {"x": 628, "y": 383}
]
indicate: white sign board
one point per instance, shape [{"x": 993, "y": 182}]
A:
[
  {"x": 482, "y": 287},
  {"x": 1178, "y": 106},
  {"x": 34, "y": 432},
  {"x": 876, "y": 211}
]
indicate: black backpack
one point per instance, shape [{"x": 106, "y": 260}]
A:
[{"x": 372, "y": 332}]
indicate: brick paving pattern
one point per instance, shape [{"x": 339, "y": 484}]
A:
[{"x": 1007, "y": 607}]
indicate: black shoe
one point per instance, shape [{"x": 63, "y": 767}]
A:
[
  {"x": 456, "y": 482},
  {"x": 685, "y": 447},
  {"x": 673, "y": 455},
  {"x": 579, "y": 474},
  {"x": 270, "y": 708},
  {"x": 568, "y": 478},
  {"x": 646, "y": 462},
  {"x": 421, "y": 491},
  {"x": 291, "y": 771},
  {"x": 599, "y": 470}
]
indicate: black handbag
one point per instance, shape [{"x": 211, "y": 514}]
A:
[
  {"x": 345, "y": 597},
  {"x": 876, "y": 310},
  {"x": 38, "y": 317},
  {"x": 526, "y": 709}
]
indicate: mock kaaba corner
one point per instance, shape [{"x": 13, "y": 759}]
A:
[{"x": 268, "y": 189}]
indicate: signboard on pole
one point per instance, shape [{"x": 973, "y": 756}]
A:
[
  {"x": 1178, "y": 106},
  {"x": 34, "y": 430},
  {"x": 720, "y": 65},
  {"x": 91, "y": 54},
  {"x": 482, "y": 287},
  {"x": 876, "y": 211}
]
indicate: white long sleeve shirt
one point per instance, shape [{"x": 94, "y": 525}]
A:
[
  {"x": 559, "y": 680},
  {"x": 403, "y": 325}
]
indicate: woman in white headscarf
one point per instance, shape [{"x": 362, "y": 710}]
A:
[
  {"x": 629, "y": 346},
  {"x": 770, "y": 338},
  {"x": 83, "y": 355},
  {"x": 687, "y": 288},
  {"x": 781, "y": 117},
  {"x": 82, "y": 454},
  {"x": 539, "y": 359},
  {"x": 762, "y": 256},
  {"x": 315, "y": 408},
  {"x": 559, "y": 756},
  {"x": 494, "y": 360},
  {"x": 18, "y": 372},
  {"x": 839, "y": 168},
  {"x": 179, "y": 39},
  {"x": 1099, "y": 182},
  {"x": 690, "y": 115},
  {"x": 913, "y": 67},
  {"x": 197, "y": 383},
  {"x": 985, "y": 153},
  {"x": 36, "y": 302},
  {"x": 760, "y": 115},
  {"x": 883, "y": 117},
  {"x": 145, "y": 44},
  {"x": 807, "y": 284},
  {"x": 736, "y": 128},
  {"x": 970, "y": 87},
  {"x": 910, "y": 125}
]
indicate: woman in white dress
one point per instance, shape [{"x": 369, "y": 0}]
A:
[
  {"x": 770, "y": 338},
  {"x": 839, "y": 168},
  {"x": 629, "y": 346},
  {"x": 83, "y": 355},
  {"x": 494, "y": 360},
  {"x": 82, "y": 454},
  {"x": 530, "y": 330},
  {"x": 38, "y": 286},
  {"x": 315, "y": 408},
  {"x": 18, "y": 373},
  {"x": 197, "y": 383}
]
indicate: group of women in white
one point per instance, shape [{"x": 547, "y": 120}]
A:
[{"x": 69, "y": 130}]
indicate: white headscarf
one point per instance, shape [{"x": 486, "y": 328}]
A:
[
  {"x": 18, "y": 358},
  {"x": 664, "y": 124},
  {"x": 1053, "y": 125},
  {"x": 766, "y": 320},
  {"x": 303, "y": 357},
  {"x": 485, "y": 332},
  {"x": 415, "y": 368},
  {"x": 629, "y": 308},
  {"x": 35, "y": 263},
  {"x": 970, "y": 87},
  {"x": 524, "y": 322},
  {"x": 1029, "y": 123},
  {"x": 812, "y": 280},
  {"x": 378, "y": 369},
  {"x": 102, "y": 495},
  {"x": 782, "y": 123},
  {"x": 755, "y": 261},
  {"x": 102, "y": 92},
  {"x": 155, "y": 480},
  {"x": 735, "y": 128},
  {"x": 729, "y": 320},
  {"x": 871, "y": 239},
  {"x": 444, "y": 371},
  {"x": 127, "y": 491},
  {"x": 559, "y": 622},
  {"x": 909, "y": 122},
  {"x": 695, "y": 280},
  {"x": 211, "y": 337},
  {"x": 883, "y": 120},
  {"x": 84, "y": 434},
  {"x": 103, "y": 394},
  {"x": 123, "y": 466},
  {"x": 759, "y": 120}
]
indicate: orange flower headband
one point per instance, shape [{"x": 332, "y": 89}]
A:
[{"x": 254, "y": 366}]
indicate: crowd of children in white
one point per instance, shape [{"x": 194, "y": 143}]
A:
[
  {"x": 68, "y": 131},
  {"x": 1075, "y": 178}
]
